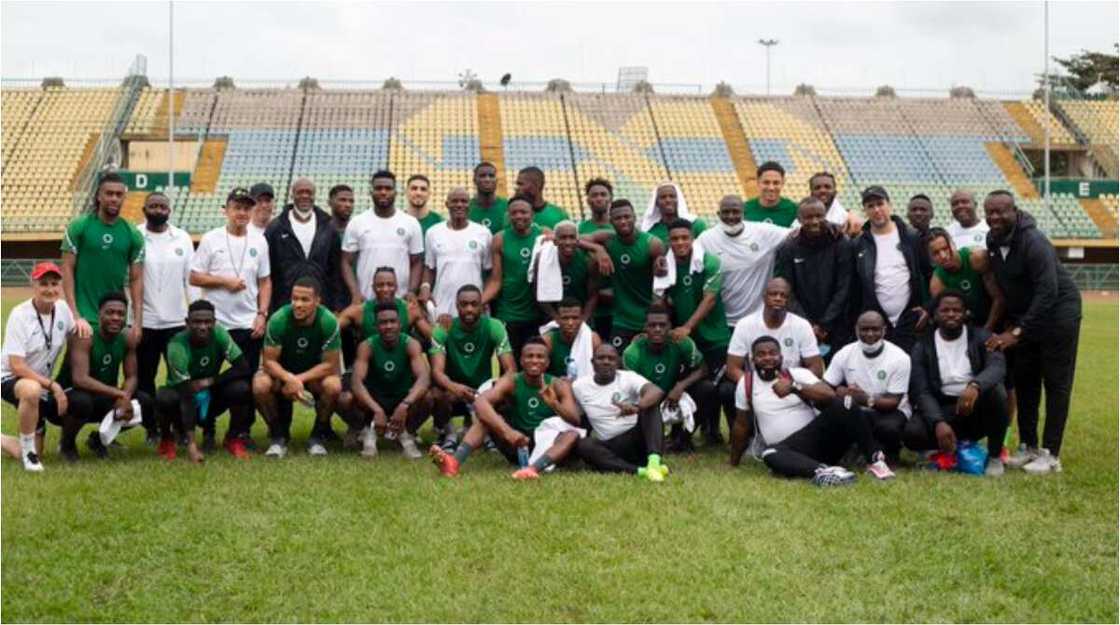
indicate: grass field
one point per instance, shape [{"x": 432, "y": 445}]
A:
[{"x": 342, "y": 539}]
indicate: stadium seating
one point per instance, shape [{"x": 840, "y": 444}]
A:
[
  {"x": 1111, "y": 204},
  {"x": 435, "y": 134},
  {"x": 143, "y": 118},
  {"x": 534, "y": 133},
  {"x": 1043, "y": 117},
  {"x": 695, "y": 151}
]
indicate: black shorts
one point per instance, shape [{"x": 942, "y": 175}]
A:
[{"x": 48, "y": 408}]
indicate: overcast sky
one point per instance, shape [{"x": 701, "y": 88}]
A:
[{"x": 992, "y": 46}]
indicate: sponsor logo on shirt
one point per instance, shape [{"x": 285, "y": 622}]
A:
[{"x": 798, "y": 260}]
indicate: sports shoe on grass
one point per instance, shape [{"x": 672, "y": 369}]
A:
[
  {"x": 369, "y": 443},
  {"x": 489, "y": 445},
  {"x": 277, "y": 449},
  {"x": 315, "y": 448},
  {"x": 166, "y": 449},
  {"x": 447, "y": 463},
  {"x": 528, "y": 473},
  {"x": 1022, "y": 457},
  {"x": 408, "y": 446},
  {"x": 96, "y": 446},
  {"x": 879, "y": 468},
  {"x": 994, "y": 468},
  {"x": 236, "y": 447},
  {"x": 31, "y": 462},
  {"x": 68, "y": 452},
  {"x": 833, "y": 476},
  {"x": 1043, "y": 463}
]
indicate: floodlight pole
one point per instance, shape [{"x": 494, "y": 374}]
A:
[
  {"x": 1046, "y": 95},
  {"x": 768, "y": 43},
  {"x": 170, "y": 99}
]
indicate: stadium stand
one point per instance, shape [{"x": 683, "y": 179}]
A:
[
  {"x": 534, "y": 132},
  {"x": 435, "y": 134},
  {"x": 695, "y": 151}
]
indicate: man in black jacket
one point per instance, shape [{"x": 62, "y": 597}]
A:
[
  {"x": 956, "y": 386},
  {"x": 890, "y": 269},
  {"x": 302, "y": 241},
  {"x": 817, "y": 263},
  {"x": 1043, "y": 324}
]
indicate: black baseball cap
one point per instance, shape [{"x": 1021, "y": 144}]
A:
[
  {"x": 240, "y": 194},
  {"x": 872, "y": 192},
  {"x": 262, "y": 188}
]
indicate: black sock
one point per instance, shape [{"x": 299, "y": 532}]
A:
[
  {"x": 462, "y": 452},
  {"x": 543, "y": 463}
]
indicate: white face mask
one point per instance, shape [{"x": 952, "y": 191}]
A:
[
  {"x": 872, "y": 348},
  {"x": 732, "y": 230}
]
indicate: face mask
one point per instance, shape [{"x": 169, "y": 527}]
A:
[
  {"x": 733, "y": 230},
  {"x": 157, "y": 219},
  {"x": 872, "y": 348}
]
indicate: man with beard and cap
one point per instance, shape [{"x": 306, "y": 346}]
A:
[
  {"x": 746, "y": 252},
  {"x": 822, "y": 185},
  {"x": 382, "y": 237},
  {"x": 302, "y": 241},
  {"x": 530, "y": 185},
  {"x": 873, "y": 375},
  {"x": 487, "y": 207},
  {"x": 579, "y": 272},
  {"x": 456, "y": 253},
  {"x": 817, "y": 263},
  {"x": 779, "y": 408},
  {"x": 770, "y": 207},
  {"x": 419, "y": 190},
  {"x": 99, "y": 250},
  {"x": 1043, "y": 326},
  {"x": 666, "y": 205},
  {"x": 599, "y": 194},
  {"x": 167, "y": 272},
  {"x": 890, "y": 276},
  {"x": 957, "y": 386},
  {"x": 966, "y": 229},
  {"x": 265, "y": 199}
]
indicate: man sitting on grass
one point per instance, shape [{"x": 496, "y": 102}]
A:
[
  {"x": 526, "y": 399},
  {"x": 198, "y": 390},
  {"x": 795, "y": 441},
  {"x": 388, "y": 386},
  {"x": 299, "y": 363},
  {"x": 91, "y": 374}
]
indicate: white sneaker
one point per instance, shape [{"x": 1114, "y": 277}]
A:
[
  {"x": 1022, "y": 456},
  {"x": 276, "y": 450},
  {"x": 994, "y": 468},
  {"x": 1044, "y": 463},
  {"x": 31, "y": 462},
  {"x": 369, "y": 443},
  {"x": 833, "y": 476},
  {"x": 315, "y": 448},
  {"x": 879, "y": 468},
  {"x": 408, "y": 446}
]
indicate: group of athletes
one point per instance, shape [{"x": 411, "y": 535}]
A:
[{"x": 827, "y": 339}]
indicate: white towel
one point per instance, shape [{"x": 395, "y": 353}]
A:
[
  {"x": 110, "y": 427},
  {"x": 545, "y": 435},
  {"x": 837, "y": 214},
  {"x": 695, "y": 265},
  {"x": 550, "y": 280},
  {"x": 653, "y": 212},
  {"x": 582, "y": 350},
  {"x": 685, "y": 413}
]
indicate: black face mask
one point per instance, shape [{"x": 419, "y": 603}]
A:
[{"x": 157, "y": 219}]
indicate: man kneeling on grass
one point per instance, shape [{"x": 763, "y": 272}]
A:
[
  {"x": 299, "y": 363},
  {"x": 622, "y": 408},
  {"x": 530, "y": 402},
  {"x": 388, "y": 386},
  {"x": 796, "y": 441},
  {"x": 197, "y": 389}
]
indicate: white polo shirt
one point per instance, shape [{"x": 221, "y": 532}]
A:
[
  {"x": 383, "y": 242},
  {"x": 597, "y": 402},
  {"x": 458, "y": 257},
  {"x": 27, "y": 336},
  {"x": 167, "y": 273},
  {"x": 223, "y": 254},
  {"x": 746, "y": 262},
  {"x": 795, "y": 336},
  {"x": 888, "y": 372}
]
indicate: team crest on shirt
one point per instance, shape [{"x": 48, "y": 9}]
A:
[
  {"x": 754, "y": 246},
  {"x": 486, "y": 221},
  {"x": 106, "y": 240},
  {"x": 204, "y": 361},
  {"x": 788, "y": 342},
  {"x": 978, "y": 238},
  {"x": 625, "y": 258},
  {"x": 687, "y": 280},
  {"x": 400, "y": 232},
  {"x": 59, "y": 326},
  {"x": 660, "y": 368},
  {"x": 178, "y": 251},
  {"x": 966, "y": 285},
  {"x": 302, "y": 342},
  {"x": 617, "y": 341},
  {"x": 526, "y": 252},
  {"x": 882, "y": 374},
  {"x": 468, "y": 347},
  {"x": 473, "y": 245},
  {"x": 390, "y": 366},
  {"x": 533, "y": 402},
  {"x": 567, "y": 280},
  {"x": 767, "y": 221},
  {"x": 106, "y": 359},
  {"x": 616, "y": 397}
]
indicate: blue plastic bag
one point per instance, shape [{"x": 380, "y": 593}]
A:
[
  {"x": 971, "y": 458},
  {"x": 202, "y": 400}
]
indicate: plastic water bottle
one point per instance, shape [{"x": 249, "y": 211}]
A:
[
  {"x": 571, "y": 368},
  {"x": 523, "y": 457}
]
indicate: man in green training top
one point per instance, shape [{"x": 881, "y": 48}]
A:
[
  {"x": 299, "y": 362},
  {"x": 91, "y": 376},
  {"x": 598, "y": 195},
  {"x": 526, "y": 399},
  {"x": 98, "y": 250},
  {"x": 486, "y": 207},
  {"x": 419, "y": 190},
  {"x": 966, "y": 270},
  {"x": 666, "y": 205},
  {"x": 579, "y": 272},
  {"x": 561, "y": 340},
  {"x": 362, "y": 318},
  {"x": 530, "y": 185},
  {"x": 197, "y": 388},
  {"x": 388, "y": 386},
  {"x": 461, "y": 359},
  {"x": 770, "y": 207},
  {"x": 636, "y": 256},
  {"x": 676, "y": 367},
  {"x": 508, "y": 290}
]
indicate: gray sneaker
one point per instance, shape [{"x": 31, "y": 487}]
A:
[
  {"x": 369, "y": 443},
  {"x": 833, "y": 476},
  {"x": 994, "y": 468},
  {"x": 277, "y": 449},
  {"x": 408, "y": 446},
  {"x": 315, "y": 448},
  {"x": 1023, "y": 455},
  {"x": 1043, "y": 463}
]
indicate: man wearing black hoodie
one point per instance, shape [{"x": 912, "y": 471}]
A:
[
  {"x": 817, "y": 263},
  {"x": 302, "y": 241},
  {"x": 1043, "y": 324},
  {"x": 890, "y": 265}
]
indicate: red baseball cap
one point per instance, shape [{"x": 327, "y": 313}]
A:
[{"x": 44, "y": 268}]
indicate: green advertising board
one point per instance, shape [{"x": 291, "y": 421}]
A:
[
  {"x": 1078, "y": 187},
  {"x": 153, "y": 180}
]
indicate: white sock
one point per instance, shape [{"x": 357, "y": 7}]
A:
[{"x": 27, "y": 443}]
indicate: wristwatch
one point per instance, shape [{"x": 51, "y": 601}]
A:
[{"x": 797, "y": 386}]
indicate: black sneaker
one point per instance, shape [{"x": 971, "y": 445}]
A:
[
  {"x": 96, "y": 446},
  {"x": 69, "y": 452},
  {"x": 208, "y": 443}
]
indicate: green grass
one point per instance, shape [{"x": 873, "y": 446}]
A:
[{"x": 342, "y": 539}]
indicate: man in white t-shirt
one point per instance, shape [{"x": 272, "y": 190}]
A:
[
  {"x": 891, "y": 265},
  {"x": 232, "y": 267},
  {"x": 872, "y": 376},
  {"x": 966, "y": 229},
  {"x": 794, "y": 334},
  {"x": 167, "y": 272},
  {"x": 746, "y": 251},
  {"x": 456, "y": 252},
  {"x": 37, "y": 329},
  {"x": 957, "y": 386},
  {"x": 626, "y": 426},
  {"x": 777, "y": 407},
  {"x": 382, "y": 237}
]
